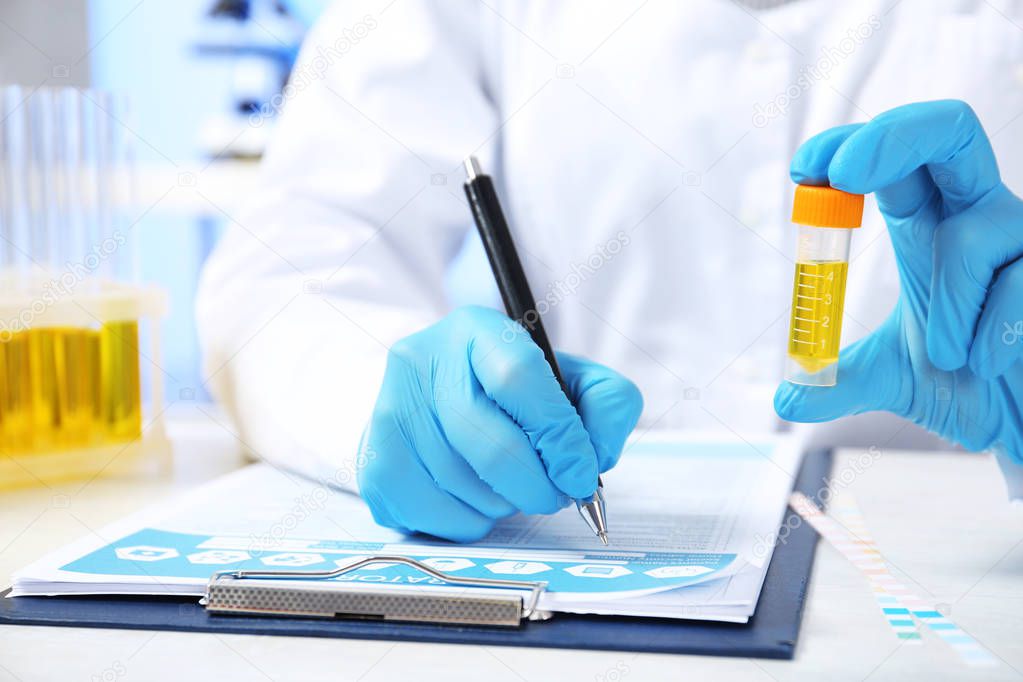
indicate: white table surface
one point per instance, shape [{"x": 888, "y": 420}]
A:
[{"x": 941, "y": 520}]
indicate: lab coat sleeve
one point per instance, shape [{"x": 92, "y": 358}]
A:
[{"x": 343, "y": 247}]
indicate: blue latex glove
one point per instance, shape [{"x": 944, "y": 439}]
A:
[
  {"x": 948, "y": 357},
  {"x": 471, "y": 426}
]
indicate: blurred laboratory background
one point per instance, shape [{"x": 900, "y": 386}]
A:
[{"x": 192, "y": 72}]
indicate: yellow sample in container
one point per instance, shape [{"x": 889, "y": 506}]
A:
[
  {"x": 120, "y": 398},
  {"x": 67, "y": 387},
  {"x": 59, "y": 383},
  {"x": 826, "y": 218},
  {"x": 71, "y": 400},
  {"x": 818, "y": 295},
  {"x": 17, "y": 411}
]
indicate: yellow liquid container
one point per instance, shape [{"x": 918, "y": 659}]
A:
[
  {"x": 71, "y": 389},
  {"x": 65, "y": 387},
  {"x": 826, "y": 218},
  {"x": 79, "y": 338}
]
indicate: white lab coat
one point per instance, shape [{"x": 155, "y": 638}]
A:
[{"x": 641, "y": 150}]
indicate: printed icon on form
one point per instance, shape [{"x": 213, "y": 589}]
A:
[
  {"x": 448, "y": 565},
  {"x": 145, "y": 553},
  {"x": 292, "y": 559},
  {"x": 597, "y": 571},
  {"x": 218, "y": 556}
]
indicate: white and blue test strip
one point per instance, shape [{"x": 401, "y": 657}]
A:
[{"x": 848, "y": 533}]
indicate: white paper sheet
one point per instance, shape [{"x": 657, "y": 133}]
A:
[{"x": 692, "y": 523}]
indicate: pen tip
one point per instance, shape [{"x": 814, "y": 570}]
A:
[{"x": 603, "y": 538}]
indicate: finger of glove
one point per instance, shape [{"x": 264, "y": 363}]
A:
[
  {"x": 969, "y": 248},
  {"x": 401, "y": 494},
  {"x": 609, "y": 404},
  {"x": 812, "y": 165},
  {"x": 515, "y": 375},
  {"x": 811, "y": 161},
  {"x": 945, "y": 136},
  {"x": 999, "y": 341},
  {"x": 498, "y": 451},
  {"x": 401, "y": 413},
  {"x": 868, "y": 379},
  {"x": 453, "y": 473}
]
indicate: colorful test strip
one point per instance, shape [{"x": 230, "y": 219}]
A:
[
  {"x": 898, "y": 604},
  {"x": 845, "y": 509},
  {"x": 867, "y": 559}
]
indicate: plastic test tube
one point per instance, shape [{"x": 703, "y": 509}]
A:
[{"x": 825, "y": 218}]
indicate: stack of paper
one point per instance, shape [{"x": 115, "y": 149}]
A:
[{"x": 692, "y": 528}]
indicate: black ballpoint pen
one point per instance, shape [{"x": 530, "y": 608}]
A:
[{"x": 519, "y": 301}]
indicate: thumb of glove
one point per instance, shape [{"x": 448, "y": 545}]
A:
[{"x": 868, "y": 379}]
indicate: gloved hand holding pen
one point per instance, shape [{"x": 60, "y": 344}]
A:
[
  {"x": 471, "y": 426},
  {"x": 942, "y": 358}
]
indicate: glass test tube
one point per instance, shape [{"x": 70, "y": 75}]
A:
[{"x": 826, "y": 218}]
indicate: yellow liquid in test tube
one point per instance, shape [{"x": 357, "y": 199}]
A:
[
  {"x": 63, "y": 387},
  {"x": 818, "y": 296},
  {"x": 16, "y": 394},
  {"x": 122, "y": 385},
  {"x": 63, "y": 364}
]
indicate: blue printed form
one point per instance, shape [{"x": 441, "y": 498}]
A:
[{"x": 692, "y": 525}]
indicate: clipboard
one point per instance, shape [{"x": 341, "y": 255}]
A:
[{"x": 772, "y": 632}]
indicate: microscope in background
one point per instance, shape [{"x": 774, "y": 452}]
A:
[{"x": 257, "y": 41}]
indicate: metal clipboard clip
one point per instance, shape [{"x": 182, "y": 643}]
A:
[{"x": 289, "y": 593}]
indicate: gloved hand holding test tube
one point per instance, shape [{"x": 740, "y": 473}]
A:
[{"x": 946, "y": 358}]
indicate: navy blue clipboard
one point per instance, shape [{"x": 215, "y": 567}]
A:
[{"x": 771, "y": 633}]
